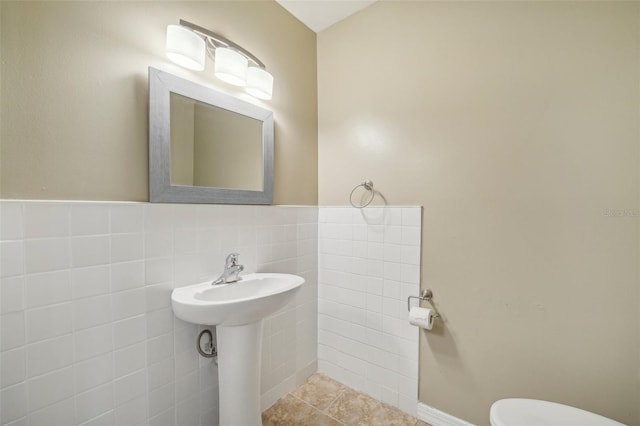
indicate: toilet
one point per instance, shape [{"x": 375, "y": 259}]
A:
[{"x": 533, "y": 412}]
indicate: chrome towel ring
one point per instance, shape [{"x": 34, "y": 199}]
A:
[{"x": 368, "y": 186}]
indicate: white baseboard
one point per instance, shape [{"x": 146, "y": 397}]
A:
[{"x": 435, "y": 417}]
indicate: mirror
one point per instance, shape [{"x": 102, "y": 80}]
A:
[{"x": 205, "y": 146}]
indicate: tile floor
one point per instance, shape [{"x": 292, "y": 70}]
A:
[{"x": 322, "y": 401}]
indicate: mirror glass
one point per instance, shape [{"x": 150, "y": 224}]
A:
[
  {"x": 206, "y": 146},
  {"x": 214, "y": 147}
]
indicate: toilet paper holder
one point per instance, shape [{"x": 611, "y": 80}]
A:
[{"x": 426, "y": 295}]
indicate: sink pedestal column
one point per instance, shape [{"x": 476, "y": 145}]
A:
[{"x": 239, "y": 358}]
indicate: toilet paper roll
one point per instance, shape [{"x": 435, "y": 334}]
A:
[{"x": 421, "y": 317}]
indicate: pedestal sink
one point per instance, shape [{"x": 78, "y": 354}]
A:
[{"x": 237, "y": 310}]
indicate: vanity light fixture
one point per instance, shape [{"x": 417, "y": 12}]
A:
[
  {"x": 185, "y": 48},
  {"x": 231, "y": 66},
  {"x": 187, "y": 44},
  {"x": 259, "y": 83}
]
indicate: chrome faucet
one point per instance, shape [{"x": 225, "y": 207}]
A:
[{"x": 231, "y": 270}]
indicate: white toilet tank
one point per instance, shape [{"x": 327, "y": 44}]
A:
[{"x": 533, "y": 412}]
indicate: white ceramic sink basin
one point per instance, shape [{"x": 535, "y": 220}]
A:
[{"x": 251, "y": 299}]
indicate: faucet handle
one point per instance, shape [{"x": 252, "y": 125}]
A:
[{"x": 232, "y": 260}]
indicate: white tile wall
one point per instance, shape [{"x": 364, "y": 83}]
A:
[
  {"x": 369, "y": 263},
  {"x": 87, "y": 332}
]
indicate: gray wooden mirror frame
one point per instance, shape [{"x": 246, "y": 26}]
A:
[{"x": 161, "y": 85}]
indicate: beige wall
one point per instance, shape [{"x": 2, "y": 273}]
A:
[
  {"x": 515, "y": 125},
  {"x": 74, "y": 93}
]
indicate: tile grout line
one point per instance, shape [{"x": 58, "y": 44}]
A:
[
  {"x": 317, "y": 409},
  {"x": 333, "y": 402}
]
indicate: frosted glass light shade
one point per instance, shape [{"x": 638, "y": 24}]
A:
[
  {"x": 231, "y": 66},
  {"x": 185, "y": 48},
  {"x": 259, "y": 83}
]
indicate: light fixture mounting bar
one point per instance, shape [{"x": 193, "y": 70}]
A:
[{"x": 213, "y": 37}]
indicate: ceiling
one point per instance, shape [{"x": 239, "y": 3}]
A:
[{"x": 321, "y": 14}]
